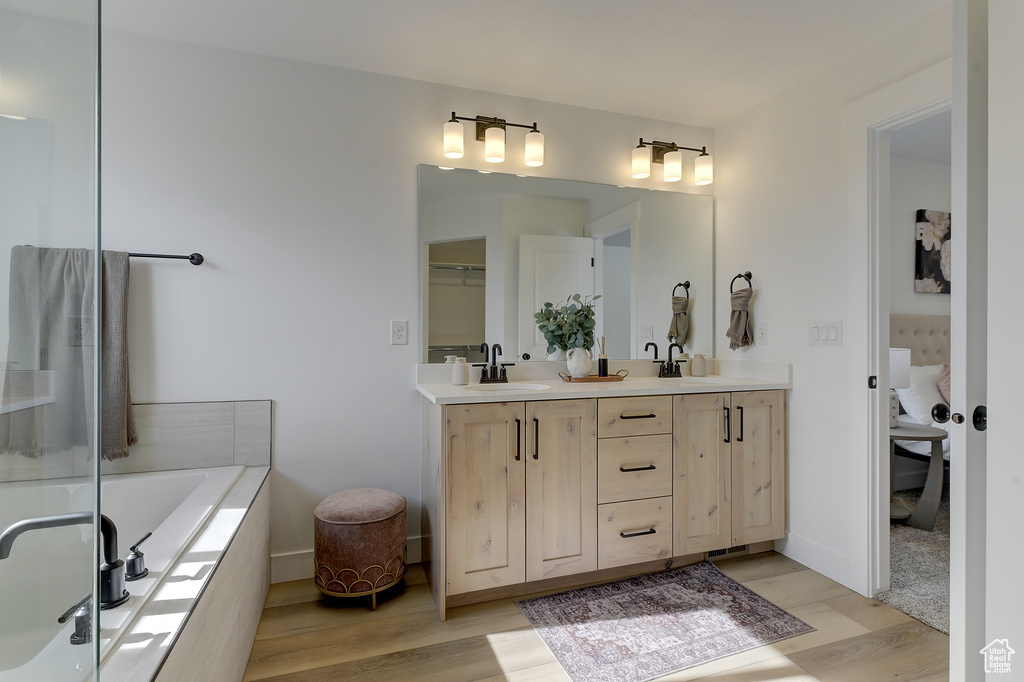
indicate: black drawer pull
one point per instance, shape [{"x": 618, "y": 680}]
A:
[
  {"x": 519, "y": 441},
  {"x": 536, "y": 438},
  {"x": 739, "y": 438},
  {"x": 728, "y": 425},
  {"x": 650, "y": 531},
  {"x": 637, "y": 416},
  {"x": 649, "y": 467}
]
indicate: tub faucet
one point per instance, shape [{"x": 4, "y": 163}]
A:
[{"x": 112, "y": 592}]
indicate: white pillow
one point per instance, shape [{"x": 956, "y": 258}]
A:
[
  {"x": 918, "y": 401},
  {"x": 922, "y": 394}
]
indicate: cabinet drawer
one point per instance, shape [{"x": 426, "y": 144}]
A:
[
  {"x": 633, "y": 532},
  {"x": 638, "y": 416},
  {"x": 634, "y": 468}
]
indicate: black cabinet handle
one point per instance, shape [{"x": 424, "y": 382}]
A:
[
  {"x": 649, "y": 467},
  {"x": 728, "y": 425},
  {"x": 536, "y": 438},
  {"x": 650, "y": 531},
  {"x": 637, "y": 416},
  {"x": 739, "y": 438},
  {"x": 519, "y": 439}
]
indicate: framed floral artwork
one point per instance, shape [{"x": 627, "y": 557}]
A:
[{"x": 932, "y": 266}]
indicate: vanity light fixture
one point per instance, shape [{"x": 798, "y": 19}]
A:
[
  {"x": 491, "y": 131},
  {"x": 670, "y": 155}
]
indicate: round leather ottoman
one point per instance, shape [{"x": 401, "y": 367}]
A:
[{"x": 359, "y": 543}]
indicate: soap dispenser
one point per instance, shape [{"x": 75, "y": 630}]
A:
[
  {"x": 460, "y": 372},
  {"x": 698, "y": 367}
]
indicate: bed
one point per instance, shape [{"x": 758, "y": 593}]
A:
[{"x": 927, "y": 337}]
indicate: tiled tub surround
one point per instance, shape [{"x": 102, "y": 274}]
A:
[
  {"x": 516, "y": 482},
  {"x": 195, "y": 615}
]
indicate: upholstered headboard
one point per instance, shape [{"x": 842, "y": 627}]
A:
[{"x": 927, "y": 337}]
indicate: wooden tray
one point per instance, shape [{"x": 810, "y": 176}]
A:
[{"x": 594, "y": 377}]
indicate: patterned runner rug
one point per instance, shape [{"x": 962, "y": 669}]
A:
[{"x": 648, "y": 626}]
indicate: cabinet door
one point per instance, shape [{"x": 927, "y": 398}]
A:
[
  {"x": 486, "y": 518},
  {"x": 758, "y": 466},
  {"x": 561, "y": 488},
  {"x": 702, "y": 471}
]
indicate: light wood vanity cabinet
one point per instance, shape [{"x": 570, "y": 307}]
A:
[
  {"x": 729, "y": 469},
  {"x": 522, "y": 492},
  {"x": 634, "y": 454}
]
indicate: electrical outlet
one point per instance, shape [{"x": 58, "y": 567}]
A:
[
  {"x": 761, "y": 334},
  {"x": 399, "y": 332}
]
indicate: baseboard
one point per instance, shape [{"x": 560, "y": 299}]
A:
[
  {"x": 829, "y": 563},
  {"x": 299, "y": 565}
]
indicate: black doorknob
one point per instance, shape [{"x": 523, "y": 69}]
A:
[
  {"x": 940, "y": 413},
  {"x": 958, "y": 418},
  {"x": 981, "y": 417}
]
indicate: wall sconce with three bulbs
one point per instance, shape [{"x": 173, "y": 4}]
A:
[
  {"x": 491, "y": 131},
  {"x": 669, "y": 154}
]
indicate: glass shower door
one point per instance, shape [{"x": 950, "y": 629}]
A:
[{"x": 49, "y": 239}]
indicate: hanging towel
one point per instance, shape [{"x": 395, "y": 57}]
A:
[
  {"x": 118, "y": 431},
  {"x": 740, "y": 331},
  {"x": 680, "y": 324},
  {"x": 52, "y": 307}
]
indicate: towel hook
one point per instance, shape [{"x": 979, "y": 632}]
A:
[
  {"x": 686, "y": 288},
  {"x": 746, "y": 275}
]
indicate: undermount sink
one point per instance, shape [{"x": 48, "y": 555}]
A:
[{"x": 510, "y": 386}]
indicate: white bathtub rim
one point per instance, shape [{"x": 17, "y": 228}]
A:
[{"x": 131, "y": 665}]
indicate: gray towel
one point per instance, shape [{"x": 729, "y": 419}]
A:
[
  {"x": 118, "y": 425},
  {"x": 51, "y": 317},
  {"x": 680, "y": 324},
  {"x": 740, "y": 331}
]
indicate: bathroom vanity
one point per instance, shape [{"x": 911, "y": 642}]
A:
[{"x": 563, "y": 484}]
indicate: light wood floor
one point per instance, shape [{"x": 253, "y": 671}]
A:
[{"x": 304, "y": 637}]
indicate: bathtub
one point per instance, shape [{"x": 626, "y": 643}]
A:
[{"x": 195, "y": 516}]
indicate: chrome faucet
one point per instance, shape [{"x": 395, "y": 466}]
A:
[{"x": 112, "y": 592}]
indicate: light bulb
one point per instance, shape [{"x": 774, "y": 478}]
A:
[
  {"x": 641, "y": 163},
  {"x": 703, "y": 170},
  {"x": 534, "y": 148},
  {"x": 673, "y": 166},
  {"x": 453, "y": 140},
  {"x": 494, "y": 144}
]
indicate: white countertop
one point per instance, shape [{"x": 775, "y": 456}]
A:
[{"x": 742, "y": 376}]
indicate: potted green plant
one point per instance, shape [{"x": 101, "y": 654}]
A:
[{"x": 568, "y": 326}]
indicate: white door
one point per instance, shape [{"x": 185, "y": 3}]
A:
[
  {"x": 550, "y": 270},
  {"x": 968, "y": 341}
]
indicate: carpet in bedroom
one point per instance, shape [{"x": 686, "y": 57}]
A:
[{"x": 919, "y": 565}]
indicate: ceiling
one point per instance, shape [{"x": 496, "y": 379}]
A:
[{"x": 699, "y": 62}]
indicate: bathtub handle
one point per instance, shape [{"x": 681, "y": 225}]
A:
[
  {"x": 140, "y": 541},
  {"x": 83, "y": 620},
  {"x": 135, "y": 564}
]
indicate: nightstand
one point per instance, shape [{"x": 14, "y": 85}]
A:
[{"x": 927, "y": 508}]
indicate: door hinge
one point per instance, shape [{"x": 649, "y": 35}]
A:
[{"x": 872, "y": 382}]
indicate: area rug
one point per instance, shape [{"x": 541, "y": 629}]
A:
[
  {"x": 645, "y": 627},
  {"x": 919, "y": 566}
]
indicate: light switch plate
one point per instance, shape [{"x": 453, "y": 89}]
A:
[{"x": 647, "y": 332}]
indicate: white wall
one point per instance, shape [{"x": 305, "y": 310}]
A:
[
  {"x": 782, "y": 212},
  {"x": 913, "y": 185},
  {"x": 298, "y": 184}
]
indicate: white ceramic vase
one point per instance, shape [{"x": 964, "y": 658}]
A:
[{"x": 579, "y": 362}]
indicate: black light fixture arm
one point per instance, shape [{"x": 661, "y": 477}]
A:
[
  {"x": 659, "y": 149},
  {"x": 485, "y": 122}
]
